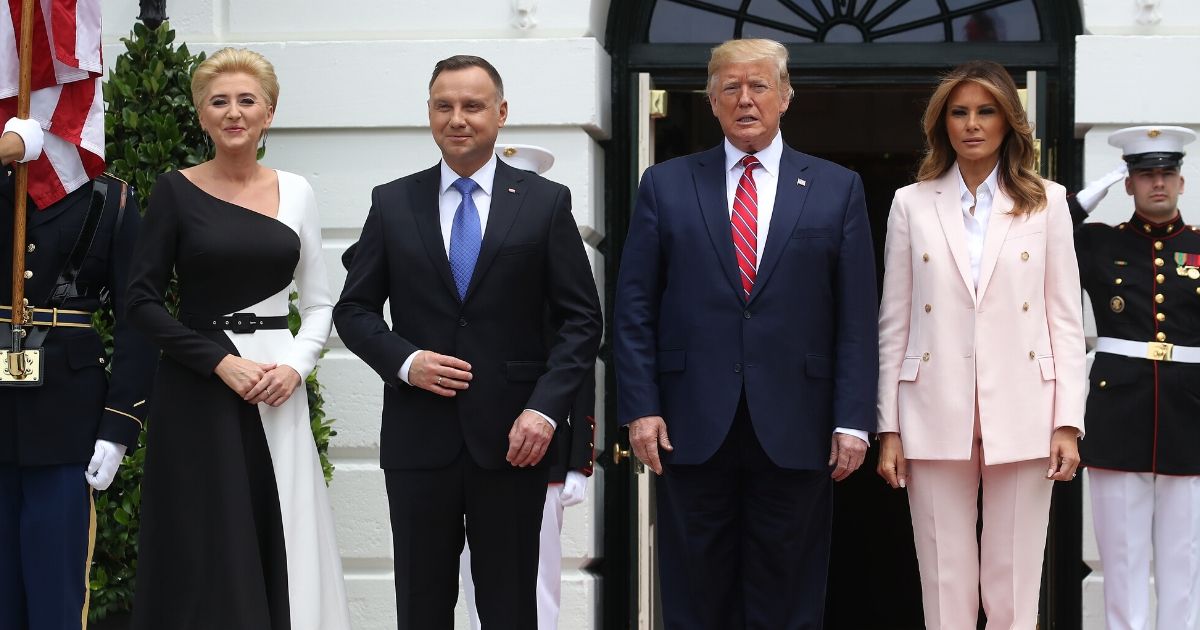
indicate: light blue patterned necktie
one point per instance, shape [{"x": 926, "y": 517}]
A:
[{"x": 466, "y": 236}]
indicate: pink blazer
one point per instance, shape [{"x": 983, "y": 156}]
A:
[{"x": 1017, "y": 341}]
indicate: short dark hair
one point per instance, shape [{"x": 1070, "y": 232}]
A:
[{"x": 462, "y": 62}]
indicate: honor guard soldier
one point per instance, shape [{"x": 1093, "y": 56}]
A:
[
  {"x": 1143, "y": 409},
  {"x": 65, "y": 422}
]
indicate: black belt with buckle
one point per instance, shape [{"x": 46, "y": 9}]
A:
[
  {"x": 55, "y": 317},
  {"x": 238, "y": 322}
]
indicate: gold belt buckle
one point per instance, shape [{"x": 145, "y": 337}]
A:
[{"x": 1159, "y": 350}]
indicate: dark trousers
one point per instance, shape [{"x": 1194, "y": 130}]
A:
[
  {"x": 503, "y": 517},
  {"x": 46, "y": 537},
  {"x": 743, "y": 543}
]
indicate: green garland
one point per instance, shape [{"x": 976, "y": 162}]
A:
[{"x": 151, "y": 127}]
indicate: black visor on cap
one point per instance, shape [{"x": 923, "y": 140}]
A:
[{"x": 1146, "y": 161}]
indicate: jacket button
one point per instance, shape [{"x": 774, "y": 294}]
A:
[
  {"x": 1158, "y": 298},
  {"x": 1162, "y": 317},
  {"x": 925, "y": 357},
  {"x": 928, "y": 308},
  {"x": 101, "y": 360},
  {"x": 1024, "y": 255},
  {"x": 31, "y": 248},
  {"x": 1103, "y": 384},
  {"x": 1032, "y": 355},
  {"x": 1162, "y": 336},
  {"x": 462, "y": 321},
  {"x": 28, "y": 274},
  {"x": 1158, "y": 262},
  {"x": 1118, "y": 281},
  {"x": 1158, "y": 245},
  {"x": 1160, "y": 278},
  {"x": 925, "y": 257},
  {"x": 737, "y": 368},
  {"x": 1025, "y": 306},
  {"x": 746, "y": 314}
]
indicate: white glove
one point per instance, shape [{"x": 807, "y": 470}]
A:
[
  {"x": 31, "y": 134},
  {"x": 1090, "y": 196},
  {"x": 574, "y": 489},
  {"x": 103, "y": 467}
]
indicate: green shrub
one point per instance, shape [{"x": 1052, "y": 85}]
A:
[{"x": 151, "y": 128}]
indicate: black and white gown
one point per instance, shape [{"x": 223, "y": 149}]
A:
[{"x": 236, "y": 527}]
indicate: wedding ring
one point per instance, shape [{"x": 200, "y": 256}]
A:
[{"x": 439, "y": 381}]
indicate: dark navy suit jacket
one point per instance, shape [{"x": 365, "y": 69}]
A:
[{"x": 803, "y": 347}]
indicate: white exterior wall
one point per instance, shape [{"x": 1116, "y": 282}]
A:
[
  {"x": 1135, "y": 65},
  {"x": 351, "y": 116}
]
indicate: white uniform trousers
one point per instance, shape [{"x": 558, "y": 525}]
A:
[
  {"x": 1136, "y": 515},
  {"x": 549, "y": 565}
]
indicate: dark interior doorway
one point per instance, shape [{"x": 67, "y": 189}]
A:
[{"x": 875, "y": 131}]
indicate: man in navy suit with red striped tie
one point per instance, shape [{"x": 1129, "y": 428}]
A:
[{"x": 746, "y": 353}]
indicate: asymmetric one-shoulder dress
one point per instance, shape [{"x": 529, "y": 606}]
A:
[{"x": 236, "y": 527}]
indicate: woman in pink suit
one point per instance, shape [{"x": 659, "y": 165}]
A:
[{"x": 981, "y": 374}]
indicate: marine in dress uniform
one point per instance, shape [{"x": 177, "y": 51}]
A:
[
  {"x": 1143, "y": 409},
  {"x": 70, "y": 432}
]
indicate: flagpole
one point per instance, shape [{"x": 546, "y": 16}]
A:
[{"x": 21, "y": 315}]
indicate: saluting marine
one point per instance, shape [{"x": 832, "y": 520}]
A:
[
  {"x": 1143, "y": 409},
  {"x": 65, "y": 423}
]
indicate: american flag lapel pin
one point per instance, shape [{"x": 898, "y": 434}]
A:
[
  {"x": 512, "y": 190},
  {"x": 801, "y": 182}
]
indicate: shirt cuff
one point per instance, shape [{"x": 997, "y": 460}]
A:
[
  {"x": 862, "y": 435},
  {"x": 403, "y": 373},
  {"x": 553, "y": 424}
]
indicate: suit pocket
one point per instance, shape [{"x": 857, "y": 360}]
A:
[
  {"x": 909, "y": 368},
  {"x": 84, "y": 352},
  {"x": 524, "y": 370},
  {"x": 812, "y": 233},
  {"x": 672, "y": 360},
  {"x": 818, "y": 366},
  {"x": 1047, "y": 365},
  {"x": 517, "y": 249}
]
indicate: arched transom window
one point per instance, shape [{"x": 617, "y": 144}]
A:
[{"x": 845, "y": 21}]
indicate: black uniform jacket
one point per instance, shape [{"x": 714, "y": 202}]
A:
[
  {"x": 79, "y": 402},
  {"x": 531, "y": 263},
  {"x": 1143, "y": 415}
]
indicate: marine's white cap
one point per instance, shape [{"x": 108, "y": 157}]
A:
[
  {"x": 526, "y": 157},
  {"x": 1152, "y": 146}
]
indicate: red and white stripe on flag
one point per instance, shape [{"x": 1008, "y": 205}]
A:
[{"x": 66, "y": 99}]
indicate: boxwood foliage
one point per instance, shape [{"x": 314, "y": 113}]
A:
[{"x": 151, "y": 128}]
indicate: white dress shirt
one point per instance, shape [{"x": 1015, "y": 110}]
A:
[
  {"x": 766, "y": 182},
  {"x": 448, "y": 200},
  {"x": 977, "y": 224}
]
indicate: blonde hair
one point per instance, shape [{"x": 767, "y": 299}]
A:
[
  {"x": 746, "y": 51},
  {"x": 1018, "y": 157},
  {"x": 229, "y": 60}
]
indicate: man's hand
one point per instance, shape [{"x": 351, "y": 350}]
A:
[
  {"x": 846, "y": 455},
  {"x": 528, "y": 439},
  {"x": 241, "y": 375},
  {"x": 893, "y": 467},
  {"x": 441, "y": 374},
  {"x": 1064, "y": 454},
  {"x": 103, "y": 468},
  {"x": 574, "y": 489},
  {"x": 646, "y": 435}
]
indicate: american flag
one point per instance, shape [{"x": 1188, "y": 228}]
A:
[{"x": 67, "y": 100}]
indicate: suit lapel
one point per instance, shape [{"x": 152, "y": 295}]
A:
[
  {"x": 997, "y": 231},
  {"x": 424, "y": 201},
  {"x": 507, "y": 195},
  {"x": 949, "y": 211},
  {"x": 789, "y": 205},
  {"x": 708, "y": 173}
]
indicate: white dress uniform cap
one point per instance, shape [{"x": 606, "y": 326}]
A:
[
  {"x": 526, "y": 157},
  {"x": 1152, "y": 146}
]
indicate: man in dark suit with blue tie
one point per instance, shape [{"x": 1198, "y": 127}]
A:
[
  {"x": 495, "y": 325},
  {"x": 746, "y": 355}
]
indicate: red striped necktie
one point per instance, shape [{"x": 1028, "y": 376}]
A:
[{"x": 745, "y": 224}]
